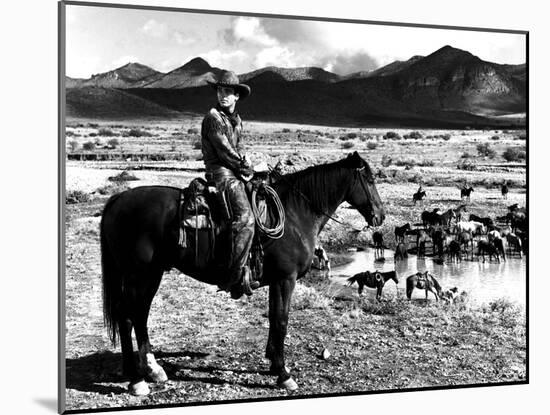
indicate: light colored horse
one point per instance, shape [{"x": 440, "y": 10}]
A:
[{"x": 471, "y": 226}]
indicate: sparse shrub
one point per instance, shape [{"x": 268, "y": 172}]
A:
[
  {"x": 88, "y": 146},
  {"x": 407, "y": 163},
  {"x": 495, "y": 138},
  {"x": 466, "y": 155},
  {"x": 286, "y": 130},
  {"x": 193, "y": 131},
  {"x": 466, "y": 165},
  {"x": 446, "y": 137},
  {"x": 112, "y": 188},
  {"x": 106, "y": 132},
  {"x": 92, "y": 125},
  {"x": 413, "y": 135},
  {"x": 69, "y": 133},
  {"x": 348, "y": 144},
  {"x": 197, "y": 145},
  {"x": 392, "y": 135},
  {"x": 77, "y": 196},
  {"x": 123, "y": 176},
  {"x": 113, "y": 143},
  {"x": 305, "y": 298},
  {"x": 352, "y": 135},
  {"x": 522, "y": 136},
  {"x": 484, "y": 149},
  {"x": 137, "y": 132},
  {"x": 426, "y": 163},
  {"x": 514, "y": 154},
  {"x": 92, "y": 134},
  {"x": 372, "y": 145},
  {"x": 386, "y": 160},
  {"x": 73, "y": 145}
]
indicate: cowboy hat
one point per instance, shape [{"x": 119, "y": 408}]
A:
[{"x": 231, "y": 80}]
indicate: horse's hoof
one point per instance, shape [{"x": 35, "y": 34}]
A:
[
  {"x": 276, "y": 372},
  {"x": 158, "y": 375},
  {"x": 140, "y": 388},
  {"x": 289, "y": 384}
]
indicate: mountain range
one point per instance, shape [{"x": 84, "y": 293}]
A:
[{"x": 448, "y": 87}]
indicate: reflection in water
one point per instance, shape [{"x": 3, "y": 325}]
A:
[{"x": 483, "y": 282}]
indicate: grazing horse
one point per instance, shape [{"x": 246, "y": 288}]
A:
[
  {"x": 418, "y": 196},
  {"x": 322, "y": 258},
  {"x": 504, "y": 191},
  {"x": 465, "y": 192},
  {"x": 378, "y": 241},
  {"x": 515, "y": 242},
  {"x": 486, "y": 221},
  {"x": 401, "y": 251},
  {"x": 375, "y": 279},
  {"x": 423, "y": 281},
  {"x": 401, "y": 231},
  {"x": 486, "y": 247},
  {"x": 139, "y": 235}
]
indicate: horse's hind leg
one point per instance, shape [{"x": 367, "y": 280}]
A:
[{"x": 146, "y": 291}]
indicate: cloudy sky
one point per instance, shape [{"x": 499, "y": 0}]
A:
[{"x": 100, "y": 39}]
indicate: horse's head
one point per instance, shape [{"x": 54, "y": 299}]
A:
[{"x": 363, "y": 194}]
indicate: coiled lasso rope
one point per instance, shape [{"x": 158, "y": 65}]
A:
[{"x": 279, "y": 229}]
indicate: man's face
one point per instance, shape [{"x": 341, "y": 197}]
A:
[{"x": 227, "y": 97}]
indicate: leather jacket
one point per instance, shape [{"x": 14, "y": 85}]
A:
[{"x": 221, "y": 143}]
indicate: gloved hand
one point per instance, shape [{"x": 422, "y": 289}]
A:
[{"x": 246, "y": 171}]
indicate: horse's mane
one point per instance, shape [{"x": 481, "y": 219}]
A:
[{"x": 317, "y": 184}]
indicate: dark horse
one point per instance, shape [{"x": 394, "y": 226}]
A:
[
  {"x": 375, "y": 279},
  {"x": 465, "y": 192},
  {"x": 139, "y": 242},
  {"x": 423, "y": 281},
  {"x": 401, "y": 231},
  {"x": 418, "y": 196}
]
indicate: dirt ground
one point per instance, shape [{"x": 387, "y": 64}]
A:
[{"x": 212, "y": 347}]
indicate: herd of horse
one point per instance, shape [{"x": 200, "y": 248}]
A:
[{"x": 453, "y": 235}]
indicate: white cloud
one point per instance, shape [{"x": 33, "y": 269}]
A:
[
  {"x": 275, "y": 56},
  {"x": 184, "y": 39},
  {"x": 154, "y": 28},
  {"x": 83, "y": 66},
  {"x": 225, "y": 60},
  {"x": 249, "y": 29},
  {"x": 123, "y": 60}
]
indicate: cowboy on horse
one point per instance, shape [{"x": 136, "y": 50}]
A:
[{"x": 226, "y": 169}]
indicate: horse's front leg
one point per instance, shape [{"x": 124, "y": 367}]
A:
[{"x": 280, "y": 293}]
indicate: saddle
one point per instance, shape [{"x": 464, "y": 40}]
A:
[{"x": 205, "y": 216}]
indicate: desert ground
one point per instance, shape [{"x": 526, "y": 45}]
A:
[{"x": 212, "y": 347}]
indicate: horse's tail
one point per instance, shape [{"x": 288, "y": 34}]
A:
[
  {"x": 353, "y": 279},
  {"x": 111, "y": 279}
]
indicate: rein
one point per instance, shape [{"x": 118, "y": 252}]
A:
[{"x": 303, "y": 196}]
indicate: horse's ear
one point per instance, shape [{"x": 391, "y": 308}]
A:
[{"x": 355, "y": 160}]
